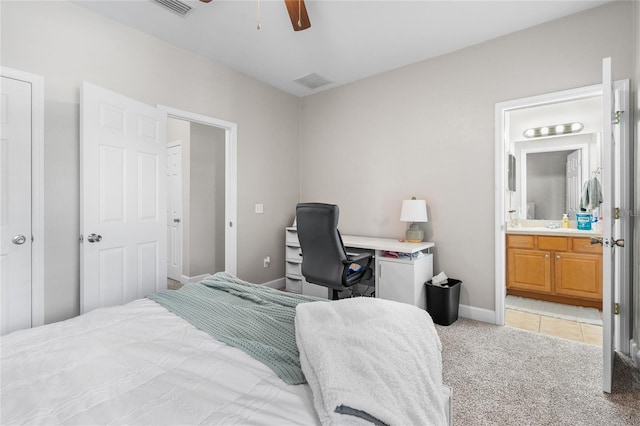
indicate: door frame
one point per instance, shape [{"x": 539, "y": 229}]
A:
[
  {"x": 231, "y": 179},
  {"x": 623, "y": 320},
  {"x": 37, "y": 189},
  {"x": 501, "y": 110}
]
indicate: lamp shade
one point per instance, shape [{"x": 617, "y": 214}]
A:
[{"x": 414, "y": 211}]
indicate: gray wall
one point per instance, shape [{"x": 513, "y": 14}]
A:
[
  {"x": 206, "y": 199},
  {"x": 427, "y": 130},
  {"x": 67, "y": 44}
]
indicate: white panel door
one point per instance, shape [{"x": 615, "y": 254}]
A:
[
  {"x": 174, "y": 212},
  {"x": 608, "y": 239},
  {"x": 123, "y": 199},
  {"x": 15, "y": 212}
]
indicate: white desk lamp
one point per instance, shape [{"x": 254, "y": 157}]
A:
[{"x": 414, "y": 211}]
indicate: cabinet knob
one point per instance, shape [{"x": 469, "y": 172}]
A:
[
  {"x": 558, "y": 256},
  {"x": 546, "y": 255}
]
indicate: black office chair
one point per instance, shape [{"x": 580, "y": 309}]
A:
[{"x": 325, "y": 261}]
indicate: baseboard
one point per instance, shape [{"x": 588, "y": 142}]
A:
[
  {"x": 477, "y": 314},
  {"x": 635, "y": 353},
  {"x": 278, "y": 284},
  {"x": 185, "y": 279}
]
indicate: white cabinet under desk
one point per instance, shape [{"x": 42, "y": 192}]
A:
[{"x": 401, "y": 279}]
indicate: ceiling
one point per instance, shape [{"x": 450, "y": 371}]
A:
[{"x": 347, "y": 41}]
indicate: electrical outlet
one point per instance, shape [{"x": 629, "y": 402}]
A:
[
  {"x": 267, "y": 261},
  {"x": 259, "y": 208}
]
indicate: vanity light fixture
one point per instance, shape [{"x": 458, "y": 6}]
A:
[{"x": 553, "y": 130}]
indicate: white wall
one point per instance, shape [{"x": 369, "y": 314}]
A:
[
  {"x": 427, "y": 130},
  {"x": 67, "y": 44}
]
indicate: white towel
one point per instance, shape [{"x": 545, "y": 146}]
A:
[{"x": 378, "y": 357}]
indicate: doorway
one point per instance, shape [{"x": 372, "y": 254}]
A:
[
  {"x": 195, "y": 201},
  {"x": 219, "y": 139},
  {"x": 22, "y": 207},
  {"x": 505, "y": 113}
]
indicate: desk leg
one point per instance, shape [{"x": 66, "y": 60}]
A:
[{"x": 376, "y": 272}]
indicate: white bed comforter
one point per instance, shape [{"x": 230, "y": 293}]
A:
[
  {"x": 139, "y": 364},
  {"x": 372, "y": 360}
]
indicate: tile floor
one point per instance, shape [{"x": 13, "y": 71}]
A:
[{"x": 580, "y": 332}]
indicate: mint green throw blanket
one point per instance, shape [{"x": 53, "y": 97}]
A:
[{"x": 256, "y": 319}]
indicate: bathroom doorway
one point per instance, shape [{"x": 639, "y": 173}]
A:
[
  {"x": 553, "y": 280},
  {"x": 544, "y": 112}
]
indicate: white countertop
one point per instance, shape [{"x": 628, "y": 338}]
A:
[
  {"x": 388, "y": 244},
  {"x": 559, "y": 232}
]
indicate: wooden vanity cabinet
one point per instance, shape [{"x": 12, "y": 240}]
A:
[{"x": 557, "y": 269}]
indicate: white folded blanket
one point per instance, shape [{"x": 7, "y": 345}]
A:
[{"x": 371, "y": 359}]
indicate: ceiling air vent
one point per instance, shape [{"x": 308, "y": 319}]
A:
[
  {"x": 312, "y": 81},
  {"x": 175, "y": 6}
]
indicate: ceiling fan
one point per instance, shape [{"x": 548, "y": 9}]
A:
[{"x": 297, "y": 12}]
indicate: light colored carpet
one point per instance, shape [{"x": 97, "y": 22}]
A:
[
  {"x": 505, "y": 376},
  {"x": 556, "y": 310}
]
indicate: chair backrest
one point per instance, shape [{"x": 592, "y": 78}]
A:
[{"x": 322, "y": 248}]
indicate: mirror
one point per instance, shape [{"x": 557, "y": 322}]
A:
[
  {"x": 553, "y": 173},
  {"x": 546, "y": 175}
]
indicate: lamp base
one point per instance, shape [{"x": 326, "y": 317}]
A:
[{"x": 414, "y": 234}]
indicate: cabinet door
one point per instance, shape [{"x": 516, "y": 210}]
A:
[
  {"x": 529, "y": 270},
  {"x": 395, "y": 281},
  {"x": 579, "y": 275}
]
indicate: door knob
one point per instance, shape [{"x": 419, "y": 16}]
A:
[
  {"x": 176, "y": 220},
  {"x": 596, "y": 240},
  {"x": 93, "y": 238},
  {"x": 18, "y": 239},
  {"x": 619, "y": 243}
]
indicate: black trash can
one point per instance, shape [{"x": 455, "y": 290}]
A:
[{"x": 443, "y": 301}]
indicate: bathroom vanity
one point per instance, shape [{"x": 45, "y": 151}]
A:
[{"x": 557, "y": 265}]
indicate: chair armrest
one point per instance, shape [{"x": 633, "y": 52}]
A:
[{"x": 356, "y": 259}]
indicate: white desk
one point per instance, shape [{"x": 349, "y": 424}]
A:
[
  {"x": 385, "y": 244},
  {"x": 401, "y": 279}
]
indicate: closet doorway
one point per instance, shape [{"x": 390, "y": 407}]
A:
[
  {"x": 22, "y": 196},
  {"x": 201, "y": 194}
]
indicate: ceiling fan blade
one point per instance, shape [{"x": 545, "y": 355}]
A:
[
  {"x": 298, "y": 14},
  {"x": 205, "y": 1}
]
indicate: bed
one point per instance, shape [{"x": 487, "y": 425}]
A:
[{"x": 192, "y": 357}]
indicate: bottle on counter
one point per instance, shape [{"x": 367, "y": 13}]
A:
[
  {"x": 595, "y": 224},
  {"x": 565, "y": 220}
]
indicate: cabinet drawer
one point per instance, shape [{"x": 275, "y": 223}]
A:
[
  {"x": 521, "y": 241},
  {"x": 293, "y": 285},
  {"x": 293, "y": 253},
  {"x": 583, "y": 245},
  {"x": 291, "y": 237},
  {"x": 293, "y": 269},
  {"x": 553, "y": 243}
]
